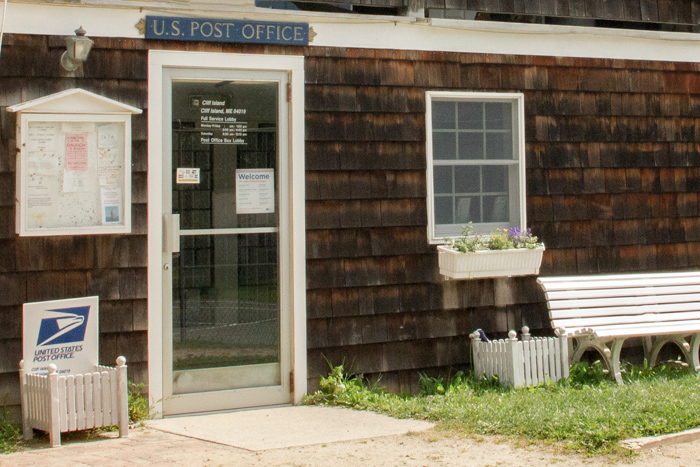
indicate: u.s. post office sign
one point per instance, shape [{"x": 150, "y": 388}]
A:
[
  {"x": 225, "y": 30},
  {"x": 62, "y": 332}
]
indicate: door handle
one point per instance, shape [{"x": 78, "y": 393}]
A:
[{"x": 171, "y": 233}]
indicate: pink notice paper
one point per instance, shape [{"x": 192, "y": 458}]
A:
[{"x": 76, "y": 152}]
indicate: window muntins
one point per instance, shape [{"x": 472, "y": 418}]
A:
[{"x": 476, "y": 162}]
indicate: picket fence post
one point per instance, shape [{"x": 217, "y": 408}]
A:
[
  {"x": 564, "y": 349},
  {"x": 515, "y": 360},
  {"x": 54, "y": 408},
  {"x": 122, "y": 398}
]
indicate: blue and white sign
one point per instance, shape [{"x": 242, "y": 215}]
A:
[
  {"x": 62, "y": 332},
  {"x": 226, "y": 30}
]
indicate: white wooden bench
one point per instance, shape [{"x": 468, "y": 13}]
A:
[{"x": 601, "y": 312}]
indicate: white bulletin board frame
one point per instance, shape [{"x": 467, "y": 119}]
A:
[{"x": 73, "y": 165}]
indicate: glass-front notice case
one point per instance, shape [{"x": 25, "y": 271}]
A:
[{"x": 73, "y": 167}]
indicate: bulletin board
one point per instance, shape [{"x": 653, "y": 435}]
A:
[
  {"x": 73, "y": 169},
  {"x": 73, "y": 175}
]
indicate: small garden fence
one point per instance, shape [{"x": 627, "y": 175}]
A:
[
  {"x": 59, "y": 404},
  {"x": 527, "y": 362}
]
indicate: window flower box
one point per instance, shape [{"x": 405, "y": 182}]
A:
[
  {"x": 489, "y": 263},
  {"x": 503, "y": 253}
]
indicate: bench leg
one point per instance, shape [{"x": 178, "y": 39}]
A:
[
  {"x": 689, "y": 349},
  {"x": 615, "y": 360},
  {"x": 610, "y": 355},
  {"x": 694, "y": 350}
]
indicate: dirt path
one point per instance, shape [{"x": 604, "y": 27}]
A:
[{"x": 146, "y": 446}]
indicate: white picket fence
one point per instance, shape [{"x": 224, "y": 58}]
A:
[
  {"x": 528, "y": 362},
  {"x": 58, "y": 404}
]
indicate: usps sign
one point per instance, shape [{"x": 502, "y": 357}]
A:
[{"x": 62, "y": 332}]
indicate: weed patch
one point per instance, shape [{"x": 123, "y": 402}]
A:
[
  {"x": 139, "y": 408},
  {"x": 9, "y": 434}
]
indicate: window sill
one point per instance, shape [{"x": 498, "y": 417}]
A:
[{"x": 489, "y": 263}]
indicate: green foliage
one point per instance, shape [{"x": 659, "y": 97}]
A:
[
  {"x": 501, "y": 239},
  {"x": 430, "y": 386},
  {"x": 583, "y": 374},
  {"x": 9, "y": 434},
  {"x": 668, "y": 370},
  {"x": 339, "y": 388},
  {"x": 139, "y": 408},
  {"x": 586, "y": 412}
]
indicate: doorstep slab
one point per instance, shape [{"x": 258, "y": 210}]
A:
[{"x": 290, "y": 426}]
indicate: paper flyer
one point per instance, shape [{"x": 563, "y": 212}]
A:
[
  {"x": 112, "y": 205},
  {"x": 76, "y": 152},
  {"x": 43, "y": 136},
  {"x": 75, "y": 181},
  {"x": 107, "y": 136}
]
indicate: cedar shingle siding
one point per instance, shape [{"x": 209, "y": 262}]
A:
[
  {"x": 613, "y": 173},
  {"x": 679, "y": 12},
  {"x": 612, "y": 176}
]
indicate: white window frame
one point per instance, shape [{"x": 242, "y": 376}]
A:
[{"x": 517, "y": 184}]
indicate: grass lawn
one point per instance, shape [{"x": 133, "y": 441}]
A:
[{"x": 588, "y": 412}]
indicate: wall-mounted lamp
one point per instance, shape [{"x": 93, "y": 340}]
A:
[{"x": 77, "y": 50}]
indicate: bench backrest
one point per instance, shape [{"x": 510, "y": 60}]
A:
[{"x": 623, "y": 301}]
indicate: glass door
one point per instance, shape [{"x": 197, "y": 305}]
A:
[{"x": 224, "y": 320}]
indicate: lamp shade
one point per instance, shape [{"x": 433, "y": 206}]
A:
[{"x": 77, "y": 50}]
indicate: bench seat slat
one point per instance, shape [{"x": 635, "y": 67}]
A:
[
  {"x": 681, "y": 327},
  {"x": 673, "y": 276},
  {"x": 611, "y": 282},
  {"x": 620, "y": 293},
  {"x": 666, "y": 300},
  {"x": 588, "y": 321},
  {"x": 665, "y": 311}
]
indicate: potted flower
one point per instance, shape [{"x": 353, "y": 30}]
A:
[{"x": 503, "y": 253}]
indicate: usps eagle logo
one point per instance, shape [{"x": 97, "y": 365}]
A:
[{"x": 63, "y": 326}]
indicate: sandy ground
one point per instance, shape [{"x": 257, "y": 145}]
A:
[{"x": 146, "y": 446}]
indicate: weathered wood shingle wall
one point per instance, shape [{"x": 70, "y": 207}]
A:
[
  {"x": 51, "y": 268},
  {"x": 661, "y": 11},
  {"x": 679, "y": 12},
  {"x": 612, "y": 173}
]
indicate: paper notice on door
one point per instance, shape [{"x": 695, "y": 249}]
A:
[
  {"x": 112, "y": 205},
  {"x": 187, "y": 175},
  {"x": 255, "y": 191}
]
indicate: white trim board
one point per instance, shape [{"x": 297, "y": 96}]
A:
[
  {"x": 294, "y": 66},
  {"x": 382, "y": 32}
]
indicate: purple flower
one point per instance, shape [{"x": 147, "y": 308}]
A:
[{"x": 520, "y": 236}]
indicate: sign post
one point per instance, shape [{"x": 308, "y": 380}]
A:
[{"x": 62, "y": 332}]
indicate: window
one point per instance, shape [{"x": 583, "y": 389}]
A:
[{"x": 476, "y": 162}]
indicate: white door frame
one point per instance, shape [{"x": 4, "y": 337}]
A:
[{"x": 294, "y": 66}]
